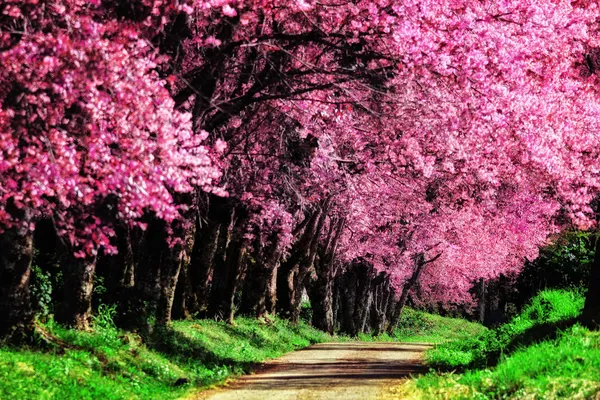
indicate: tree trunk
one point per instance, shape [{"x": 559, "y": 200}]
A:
[
  {"x": 591, "y": 311},
  {"x": 182, "y": 294},
  {"x": 321, "y": 300},
  {"x": 306, "y": 265},
  {"x": 16, "y": 314},
  {"x": 217, "y": 283},
  {"x": 119, "y": 274},
  {"x": 482, "y": 300},
  {"x": 322, "y": 288},
  {"x": 391, "y": 307},
  {"x": 381, "y": 292},
  {"x": 202, "y": 263},
  {"x": 346, "y": 286},
  {"x": 288, "y": 276},
  {"x": 363, "y": 297},
  {"x": 148, "y": 290},
  {"x": 271, "y": 298},
  {"x": 227, "y": 280},
  {"x": 169, "y": 267},
  {"x": 258, "y": 282},
  {"x": 399, "y": 307},
  {"x": 236, "y": 270},
  {"x": 78, "y": 287}
]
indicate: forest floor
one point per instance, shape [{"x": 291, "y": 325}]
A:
[{"x": 346, "y": 371}]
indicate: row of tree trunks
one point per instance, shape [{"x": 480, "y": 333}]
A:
[
  {"x": 354, "y": 297},
  {"x": 153, "y": 272}
]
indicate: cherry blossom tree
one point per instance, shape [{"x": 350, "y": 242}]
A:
[{"x": 275, "y": 146}]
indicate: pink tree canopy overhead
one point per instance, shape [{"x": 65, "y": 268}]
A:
[
  {"x": 433, "y": 125},
  {"x": 87, "y": 129}
]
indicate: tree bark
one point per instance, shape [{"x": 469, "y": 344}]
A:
[
  {"x": 391, "y": 307},
  {"x": 156, "y": 276},
  {"x": 381, "y": 293},
  {"x": 591, "y": 310},
  {"x": 170, "y": 266},
  {"x": 183, "y": 294},
  {"x": 346, "y": 287},
  {"x": 289, "y": 270},
  {"x": 271, "y": 299},
  {"x": 399, "y": 307},
  {"x": 217, "y": 283},
  {"x": 78, "y": 287},
  {"x": 482, "y": 300},
  {"x": 202, "y": 264},
  {"x": 321, "y": 300},
  {"x": 227, "y": 280},
  {"x": 363, "y": 298},
  {"x": 304, "y": 267},
  {"x": 354, "y": 297},
  {"x": 119, "y": 273},
  {"x": 321, "y": 290},
  {"x": 16, "y": 314},
  {"x": 259, "y": 281}
]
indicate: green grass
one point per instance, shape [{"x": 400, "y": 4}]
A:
[
  {"x": 541, "y": 354},
  {"x": 419, "y": 326},
  {"x": 543, "y": 317},
  {"x": 111, "y": 364},
  {"x": 108, "y": 363}
]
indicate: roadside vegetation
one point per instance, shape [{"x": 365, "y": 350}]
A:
[
  {"x": 107, "y": 363},
  {"x": 542, "y": 353},
  {"x": 419, "y": 326}
]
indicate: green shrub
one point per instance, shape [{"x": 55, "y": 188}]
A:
[{"x": 41, "y": 291}]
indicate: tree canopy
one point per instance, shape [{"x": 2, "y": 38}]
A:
[{"x": 457, "y": 135}]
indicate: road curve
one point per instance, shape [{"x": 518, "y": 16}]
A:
[{"x": 328, "y": 371}]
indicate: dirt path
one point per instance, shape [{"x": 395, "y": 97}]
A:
[{"x": 328, "y": 371}]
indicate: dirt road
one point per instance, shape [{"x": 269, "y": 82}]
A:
[{"x": 329, "y": 371}]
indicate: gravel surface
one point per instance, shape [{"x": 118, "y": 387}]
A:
[{"x": 329, "y": 371}]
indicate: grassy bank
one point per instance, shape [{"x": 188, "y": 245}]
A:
[
  {"x": 108, "y": 363},
  {"x": 419, "y": 326},
  {"x": 111, "y": 364},
  {"x": 541, "y": 354}
]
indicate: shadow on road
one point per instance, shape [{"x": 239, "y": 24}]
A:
[
  {"x": 332, "y": 371},
  {"x": 319, "y": 375}
]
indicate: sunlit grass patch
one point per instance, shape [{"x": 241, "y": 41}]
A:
[
  {"x": 541, "y": 354},
  {"x": 108, "y": 363}
]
